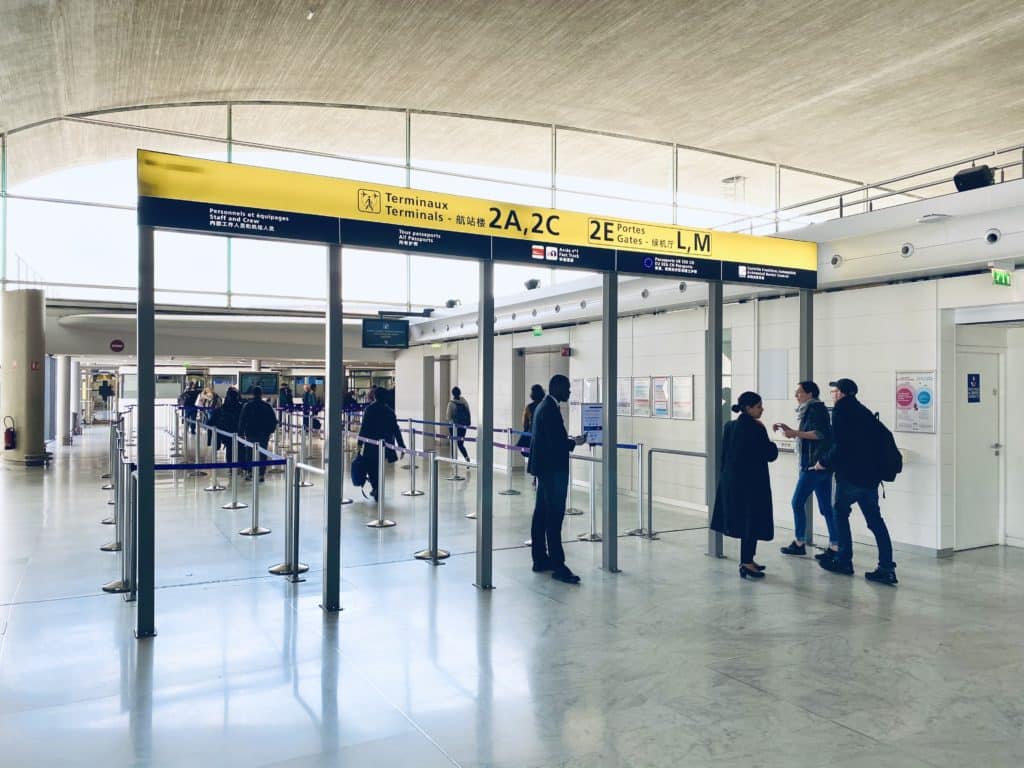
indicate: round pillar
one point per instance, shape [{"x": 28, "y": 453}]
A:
[
  {"x": 64, "y": 400},
  {"x": 22, "y": 365}
]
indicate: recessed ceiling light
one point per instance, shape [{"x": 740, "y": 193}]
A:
[
  {"x": 933, "y": 218},
  {"x": 310, "y": 14}
]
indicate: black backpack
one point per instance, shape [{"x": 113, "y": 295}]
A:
[
  {"x": 888, "y": 459},
  {"x": 461, "y": 415}
]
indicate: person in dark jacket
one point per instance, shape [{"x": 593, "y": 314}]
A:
[
  {"x": 743, "y": 502},
  {"x": 226, "y": 418},
  {"x": 813, "y": 437},
  {"x": 459, "y": 419},
  {"x": 379, "y": 423},
  {"x": 309, "y": 406},
  {"x": 256, "y": 423},
  {"x": 550, "y": 446},
  {"x": 853, "y": 458},
  {"x": 187, "y": 400},
  {"x": 284, "y": 397}
]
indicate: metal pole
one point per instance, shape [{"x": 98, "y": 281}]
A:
[
  {"x": 344, "y": 458},
  {"x": 234, "y": 503},
  {"x": 485, "y": 427},
  {"x": 610, "y": 423},
  {"x": 146, "y": 360},
  {"x": 807, "y": 374},
  {"x": 132, "y": 572},
  {"x": 196, "y": 448},
  {"x": 453, "y": 454},
  {"x": 335, "y": 478},
  {"x": 593, "y": 535},
  {"x": 304, "y": 454},
  {"x": 254, "y": 528},
  {"x": 380, "y": 522},
  {"x": 288, "y": 566},
  {"x": 119, "y": 494},
  {"x": 211, "y": 455},
  {"x": 569, "y": 508},
  {"x": 713, "y": 410},
  {"x": 176, "y": 442},
  {"x": 640, "y": 530},
  {"x": 432, "y": 552},
  {"x": 123, "y": 535},
  {"x": 411, "y": 459},
  {"x": 110, "y": 459},
  {"x": 412, "y": 463},
  {"x": 509, "y": 490}
]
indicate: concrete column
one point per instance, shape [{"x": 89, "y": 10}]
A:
[
  {"x": 63, "y": 400},
  {"x": 22, "y": 359},
  {"x": 76, "y": 395},
  {"x": 256, "y": 365}
]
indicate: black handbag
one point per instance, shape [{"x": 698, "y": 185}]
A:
[{"x": 358, "y": 470}]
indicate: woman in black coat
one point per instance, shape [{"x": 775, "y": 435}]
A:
[{"x": 743, "y": 503}]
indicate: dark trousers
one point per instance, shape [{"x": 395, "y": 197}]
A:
[
  {"x": 247, "y": 452},
  {"x": 548, "y": 512},
  {"x": 190, "y": 414},
  {"x": 371, "y": 457},
  {"x": 226, "y": 444},
  {"x": 848, "y": 494},
  {"x": 748, "y": 548},
  {"x": 459, "y": 433}
]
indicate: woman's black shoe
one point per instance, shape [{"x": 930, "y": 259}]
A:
[
  {"x": 759, "y": 566},
  {"x": 746, "y": 573},
  {"x": 826, "y": 554},
  {"x": 794, "y": 549}
]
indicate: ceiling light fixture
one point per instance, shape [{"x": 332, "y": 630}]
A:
[
  {"x": 452, "y": 303},
  {"x": 310, "y": 14},
  {"x": 933, "y": 218}
]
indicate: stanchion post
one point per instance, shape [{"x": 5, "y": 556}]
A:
[
  {"x": 212, "y": 437},
  {"x": 176, "y": 441},
  {"x": 111, "y": 440},
  {"x": 453, "y": 454},
  {"x": 509, "y": 490},
  {"x": 132, "y": 564},
  {"x": 254, "y": 528},
  {"x": 569, "y": 508},
  {"x": 291, "y": 565},
  {"x": 234, "y": 503},
  {"x": 640, "y": 530},
  {"x": 432, "y": 553},
  {"x": 380, "y": 522},
  {"x": 304, "y": 439},
  {"x": 412, "y": 463},
  {"x": 118, "y": 516},
  {"x": 592, "y": 535},
  {"x": 196, "y": 448}
]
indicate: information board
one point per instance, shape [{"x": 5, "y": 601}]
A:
[
  {"x": 682, "y": 397},
  {"x": 385, "y": 333},
  {"x": 265, "y": 380},
  {"x": 592, "y": 421},
  {"x": 661, "y": 404},
  {"x": 642, "y": 396}
]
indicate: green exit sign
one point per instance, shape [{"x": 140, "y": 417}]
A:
[
  {"x": 1002, "y": 277},
  {"x": 538, "y": 330}
]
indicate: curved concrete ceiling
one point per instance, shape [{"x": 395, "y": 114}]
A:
[{"x": 860, "y": 90}]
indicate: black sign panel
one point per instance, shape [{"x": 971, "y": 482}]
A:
[
  {"x": 668, "y": 265},
  {"x": 402, "y": 237},
  {"x": 236, "y": 221},
  {"x": 267, "y": 381},
  {"x": 385, "y": 333},
  {"x": 759, "y": 274},
  {"x": 544, "y": 254}
]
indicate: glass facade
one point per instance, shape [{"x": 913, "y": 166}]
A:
[{"x": 68, "y": 195}]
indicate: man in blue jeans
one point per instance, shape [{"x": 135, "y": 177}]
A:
[
  {"x": 813, "y": 439},
  {"x": 854, "y": 456}
]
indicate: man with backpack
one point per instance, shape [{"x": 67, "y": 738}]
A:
[
  {"x": 458, "y": 416},
  {"x": 256, "y": 423},
  {"x": 863, "y": 453}
]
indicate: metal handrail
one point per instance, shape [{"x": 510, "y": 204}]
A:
[{"x": 650, "y": 481}]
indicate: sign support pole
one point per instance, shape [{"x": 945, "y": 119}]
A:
[
  {"x": 146, "y": 360},
  {"x": 485, "y": 431},
  {"x": 713, "y": 410},
  {"x": 807, "y": 374},
  {"x": 334, "y": 456},
  {"x": 609, "y": 426}
]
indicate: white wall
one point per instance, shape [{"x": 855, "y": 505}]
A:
[{"x": 1014, "y": 445}]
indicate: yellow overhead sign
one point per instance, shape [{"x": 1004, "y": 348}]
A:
[{"x": 239, "y": 200}]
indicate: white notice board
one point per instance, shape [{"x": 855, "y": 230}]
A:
[
  {"x": 642, "y": 396},
  {"x": 623, "y": 398},
  {"x": 682, "y": 397},
  {"x": 915, "y": 401},
  {"x": 661, "y": 390},
  {"x": 592, "y": 419}
]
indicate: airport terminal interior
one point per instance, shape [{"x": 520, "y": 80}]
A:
[{"x": 394, "y": 222}]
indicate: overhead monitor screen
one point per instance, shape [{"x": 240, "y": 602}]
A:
[
  {"x": 385, "y": 333},
  {"x": 265, "y": 380}
]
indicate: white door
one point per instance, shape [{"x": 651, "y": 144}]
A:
[{"x": 978, "y": 484}]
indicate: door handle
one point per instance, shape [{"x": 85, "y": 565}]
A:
[{"x": 997, "y": 446}]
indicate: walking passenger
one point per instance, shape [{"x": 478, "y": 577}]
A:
[
  {"x": 536, "y": 395},
  {"x": 284, "y": 396},
  {"x": 855, "y": 456},
  {"x": 308, "y": 406},
  {"x": 550, "y": 446},
  {"x": 813, "y": 437},
  {"x": 226, "y": 418},
  {"x": 256, "y": 424},
  {"x": 379, "y": 423},
  {"x": 458, "y": 417},
  {"x": 743, "y": 502}
]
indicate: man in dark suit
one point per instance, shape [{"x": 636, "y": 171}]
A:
[
  {"x": 379, "y": 423},
  {"x": 549, "y": 463},
  {"x": 256, "y": 423}
]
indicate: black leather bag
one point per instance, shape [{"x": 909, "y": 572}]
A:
[{"x": 358, "y": 470}]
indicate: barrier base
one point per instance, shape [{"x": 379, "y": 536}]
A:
[
  {"x": 305, "y": 484},
  {"x": 104, "y": 476},
  {"x": 275, "y": 471},
  {"x": 111, "y": 502},
  {"x": 346, "y": 500},
  {"x": 412, "y": 493},
  {"x": 589, "y": 537},
  {"x": 471, "y": 515},
  {"x": 509, "y": 492},
  {"x": 381, "y": 524},
  {"x": 643, "y": 533},
  {"x": 573, "y": 511},
  {"x": 258, "y": 531},
  {"x": 176, "y": 455},
  {"x": 114, "y": 546},
  {"x": 217, "y": 487},
  {"x": 528, "y": 542},
  {"x": 106, "y": 487},
  {"x": 454, "y": 478},
  {"x": 285, "y": 569},
  {"x": 195, "y": 473},
  {"x": 107, "y": 521},
  {"x": 235, "y": 505},
  {"x": 115, "y": 587},
  {"x": 426, "y": 554}
]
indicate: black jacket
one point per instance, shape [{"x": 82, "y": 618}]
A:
[
  {"x": 380, "y": 423},
  {"x": 815, "y": 419},
  {"x": 257, "y": 420},
  {"x": 852, "y": 454},
  {"x": 743, "y": 503},
  {"x": 227, "y": 416},
  {"x": 550, "y": 444}
]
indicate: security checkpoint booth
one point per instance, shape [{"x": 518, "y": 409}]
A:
[{"x": 232, "y": 200}]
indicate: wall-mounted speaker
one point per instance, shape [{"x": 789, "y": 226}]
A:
[{"x": 973, "y": 178}]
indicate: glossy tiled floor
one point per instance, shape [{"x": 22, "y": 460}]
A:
[{"x": 674, "y": 662}]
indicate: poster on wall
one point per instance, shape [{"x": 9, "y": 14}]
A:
[
  {"x": 592, "y": 390},
  {"x": 623, "y": 400},
  {"x": 682, "y": 397},
  {"x": 576, "y": 392},
  {"x": 661, "y": 387},
  {"x": 592, "y": 422},
  {"x": 642, "y": 397},
  {"x": 915, "y": 401}
]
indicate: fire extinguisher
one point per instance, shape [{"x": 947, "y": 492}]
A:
[{"x": 10, "y": 434}]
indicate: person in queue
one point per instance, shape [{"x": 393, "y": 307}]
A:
[
  {"x": 187, "y": 400},
  {"x": 379, "y": 423},
  {"x": 256, "y": 423},
  {"x": 813, "y": 437},
  {"x": 459, "y": 419},
  {"x": 853, "y": 457},
  {"x": 284, "y": 396},
  {"x": 550, "y": 446},
  {"x": 308, "y": 406},
  {"x": 226, "y": 418},
  {"x": 743, "y": 502}
]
